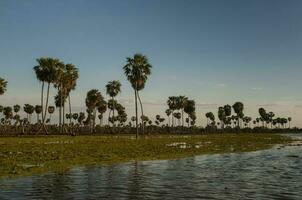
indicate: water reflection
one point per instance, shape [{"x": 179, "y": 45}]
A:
[{"x": 270, "y": 174}]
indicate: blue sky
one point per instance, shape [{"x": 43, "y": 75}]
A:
[{"x": 216, "y": 52}]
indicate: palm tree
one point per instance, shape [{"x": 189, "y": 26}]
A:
[
  {"x": 51, "y": 110},
  {"x": 47, "y": 72},
  {"x": 3, "y": 85},
  {"x": 66, "y": 82},
  {"x": 210, "y": 117},
  {"x": 172, "y": 103},
  {"x": 190, "y": 108},
  {"x": 182, "y": 101},
  {"x": 29, "y": 110},
  {"x": 93, "y": 98},
  {"x": 113, "y": 88},
  {"x": 102, "y": 108},
  {"x": 72, "y": 75},
  {"x": 221, "y": 116},
  {"x": 137, "y": 71},
  {"x": 263, "y": 115},
  {"x": 38, "y": 110},
  {"x": 289, "y": 120},
  {"x": 168, "y": 113},
  {"x": 238, "y": 109}
]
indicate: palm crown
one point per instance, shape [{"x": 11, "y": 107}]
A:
[
  {"x": 3, "y": 85},
  {"x": 137, "y": 71}
]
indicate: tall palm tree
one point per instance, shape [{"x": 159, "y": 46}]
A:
[
  {"x": 66, "y": 82},
  {"x": 47, "y": 72},
  {"x": 137, "y": 70},
  {"x": 3, "y": 86},
  {"x": 72, "y": 75},
  {"x": 113, "y": 88}
]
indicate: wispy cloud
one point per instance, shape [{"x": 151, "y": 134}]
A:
[
  {"x": 221, "y": 85},
  {"x": 257, "y": 88}
]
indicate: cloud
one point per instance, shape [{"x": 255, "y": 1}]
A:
[
  {"x": 257, "y": 88},
  {"x": 221, "y": 85}
]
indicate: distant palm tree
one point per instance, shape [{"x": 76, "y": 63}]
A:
[
  {"x": 93, "y": 98},
  {"x": 182, "y": 101},
  {"x": 190, "y": 108},
  {"x": 38, "y": 110},
  {"x": 210, "y": 117},
  {"x": 289, "y": 120},
  {"x": 137, "y": 71},
  {"x": 51, "y": 110},
  {"x": 263, "y": 115},
  {"x": 172, "y": 103},
  {"x": 102, "y": 108},
  {"x": 29, "y": 110},
  {"x": 47, "y": 72},
  {"x": 238, "y": 109},
  {"x": 113, "y": 88},
  {"x": 168, "y": 113},
  {"x": 3, "y": 85}
]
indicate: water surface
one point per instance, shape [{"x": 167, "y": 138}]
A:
[{"x": 270, "y": 174}]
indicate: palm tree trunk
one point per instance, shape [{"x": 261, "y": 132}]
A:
[
  {"x": 182, "y": 117},
  {"x": 61, "y": 106},
  {"x": 42, "y": 100},
  {"x": 46, "y": 108},
  {"x": 113, "y": 120},
  {"x": 69, "y": 108},
  {"x": 142, "y": 111},
  {"x": 135, "y": 94}
]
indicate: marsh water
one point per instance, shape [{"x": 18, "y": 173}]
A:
[{"x": 269, "y": 174}]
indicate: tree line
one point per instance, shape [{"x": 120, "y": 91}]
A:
[{"x": 181, "y": 111}]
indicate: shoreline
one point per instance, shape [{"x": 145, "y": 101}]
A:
[{"x": 35, "y": 155}]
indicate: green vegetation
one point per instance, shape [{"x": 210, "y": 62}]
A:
[{"x": 27, "y": 155}]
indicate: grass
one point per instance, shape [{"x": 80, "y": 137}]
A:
[{"x": 24, "y": 156}]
